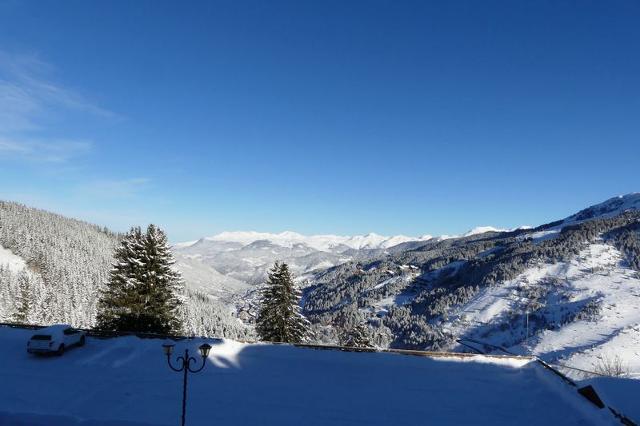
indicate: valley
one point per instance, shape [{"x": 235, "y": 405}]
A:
[{"x": 567, "y": 291}]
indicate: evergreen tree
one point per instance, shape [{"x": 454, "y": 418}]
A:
[
  {"x": 162, "y": 281},
  {"x": 24, "y": 299},
  {"x": 280, "y": 319},
  {"x": 144, "y": 292},
  {"x": 356, "y": 337}
]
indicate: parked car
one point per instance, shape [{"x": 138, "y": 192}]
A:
[{"x": 55, "y": 339}]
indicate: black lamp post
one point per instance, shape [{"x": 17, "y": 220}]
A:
[{"x": 184, "y": 364}]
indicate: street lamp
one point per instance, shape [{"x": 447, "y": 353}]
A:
[{"x": 184, "y": 364}]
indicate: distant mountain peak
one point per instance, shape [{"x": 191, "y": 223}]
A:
[
  {"x": 611, "y": 207},
  {"x": 317, "y": 242},
  {"x": 483, "y": 229}
]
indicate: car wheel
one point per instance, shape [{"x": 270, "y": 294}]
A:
[
  {"x": 60, "y": 350},
  {"x": 81, "y": 342}
]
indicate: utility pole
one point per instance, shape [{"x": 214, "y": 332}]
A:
[{"x": 526, "y": 340}]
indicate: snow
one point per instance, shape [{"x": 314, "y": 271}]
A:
[
  {"x": 597, "y": 273},
  {"x": 482, "y": 230},
  {"x": 619, "y": 291},
  {"x": 184, "y": 244},
  {"x": 544, "y": 235},
  {"x": 610, "y": 208},
  {"x": 53, "y": 330},
  {"x": 206, "y": 279},
  {"x": 11, "y": 261},
  {"x": 318, "y": 242},
  {"x": 125, "y": 381},
  {"x": 621, "y": 394}
]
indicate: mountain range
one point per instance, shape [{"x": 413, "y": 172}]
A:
[
  {"x": 230, "y": 262},
  {"x": 567, "y": 291}
]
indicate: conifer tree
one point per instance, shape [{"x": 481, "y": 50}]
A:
[
  {"x": 144, "y": 292},
  {"x": 357, "y": 337},
  {"x": 162, "y": 281},
  {"x": 24, "y": 301},
  {"x": 280, "y": 319}
]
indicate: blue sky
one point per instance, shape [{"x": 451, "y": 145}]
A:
[{"x": 318, "y": 117}]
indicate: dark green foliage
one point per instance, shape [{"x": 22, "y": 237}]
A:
[
  {"x": 280, "y": 319},
  {"x": 144, "y": 292}
]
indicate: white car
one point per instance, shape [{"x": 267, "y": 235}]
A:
[{"x": 55, "y": 339}]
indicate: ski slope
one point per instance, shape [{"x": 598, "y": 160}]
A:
[{"x": 125, "y": 381}]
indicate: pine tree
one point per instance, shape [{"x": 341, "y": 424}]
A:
[
  {"x": 143, "y": 292},
  {"x": 280, "y": 319},
  {"x": 24, "y": 301},
  {"x": 162, "y": 281},
  {"x": 357, "y": 337}
]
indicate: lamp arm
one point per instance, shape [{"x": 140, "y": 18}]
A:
[
  {"x": 179, "y": 363},
  {"x": 194, "y": 361}
]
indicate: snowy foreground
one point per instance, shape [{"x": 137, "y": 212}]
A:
[{"x": 125, "y": 381}]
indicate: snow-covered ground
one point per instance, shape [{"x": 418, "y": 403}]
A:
[
  {"x": 125, "y": 381},
  {"x": 11, "y": 261},
  {"x": 598, "y": 274}
]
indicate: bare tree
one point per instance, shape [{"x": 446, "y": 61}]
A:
[{"x": 612, "y": 366}]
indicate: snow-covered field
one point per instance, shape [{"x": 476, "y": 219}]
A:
[
  {"x": 597, "y": 274},
  {"x": 125, "y": 381}
]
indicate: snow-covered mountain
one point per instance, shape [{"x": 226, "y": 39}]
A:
[
  {"x": 567, "y": 291},
  {"x": 328, "y": 243},
  {"x": 610, "y": 208},
  {"x": 245, "y": 257}
]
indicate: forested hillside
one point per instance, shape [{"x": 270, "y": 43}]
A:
[
  {"x": 519, "y": 289},
  {"x": 565, "y": 290},
  {"x": 66, "y": 263},
  {"x": 62, "y": 263}
]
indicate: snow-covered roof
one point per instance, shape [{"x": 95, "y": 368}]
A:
[{"x": 53, "y": 330}]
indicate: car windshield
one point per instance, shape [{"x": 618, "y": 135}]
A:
[{"x": 41, "y": 337}]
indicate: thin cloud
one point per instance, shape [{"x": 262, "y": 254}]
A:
[
  {"x": 28, "y": 97},
  {"x": 47, "y": 150},
  {"x": 25, "y": 80}
]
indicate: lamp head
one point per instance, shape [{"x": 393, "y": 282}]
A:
[
  {"x": 204, "y": 350},
  {"x": 168, "y": 349}
]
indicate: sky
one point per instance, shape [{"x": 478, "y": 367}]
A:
[{"x": 340, "y": 117}]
